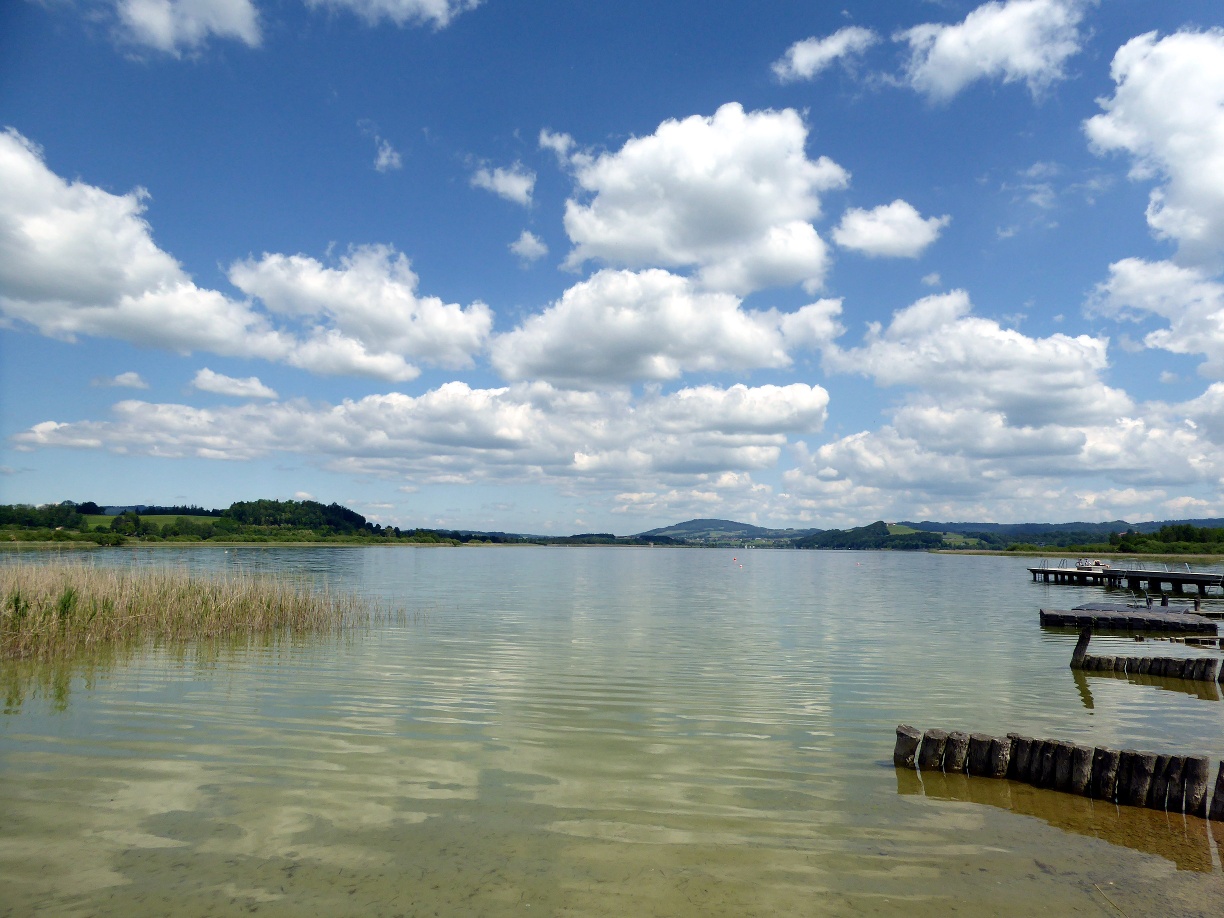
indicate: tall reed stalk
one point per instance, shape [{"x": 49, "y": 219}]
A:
[{"x": 55, "y": 609}]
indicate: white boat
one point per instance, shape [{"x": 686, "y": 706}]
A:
[{"x": 1091, "y": 566}]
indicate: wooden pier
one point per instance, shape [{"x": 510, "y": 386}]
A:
[
  {"x": 1131, "y": 578},
  {"x": 1110, "y": 617}
]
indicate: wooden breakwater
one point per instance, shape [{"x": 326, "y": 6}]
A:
[
  {"x": 1195, "y": 669},
  {"x": 1126, "y": 777}
]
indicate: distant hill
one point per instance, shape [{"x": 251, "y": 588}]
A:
[
  {"x": 1025, "y": 530},
  {"x": 712, "y": 531}
]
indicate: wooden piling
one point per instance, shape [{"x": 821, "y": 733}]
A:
[
  {"x": 908, "y": 739},
  {"x": 1000, "y": 756},
  {"x": 1105, "y": 764},
  {"x": 1211, "y": 670},
  {"x": 1081, "y": 770},
  {"x": 956, "y": 751},
  {"x": 1022, "y": 747},
  {"x": 1062, "y": 766},
  {"x": 1081, "y": 649},
  {"x": 1045, "y": 776},
  {"x": 930, "y": 754},
  {"x": 1134, "y": 791},
  {"x": 1175, "y": 784},
  {"x": 1159, "y": 788},
  {"x": 979, "y": 754},
  {"x": 1197, "y": 773},
  {"x": 1217, "y": 800}
]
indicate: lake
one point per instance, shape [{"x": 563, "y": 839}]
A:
[{"x": 596, "y": 731}]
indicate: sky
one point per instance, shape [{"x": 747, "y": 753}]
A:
[{"x": 574, "y": 266}]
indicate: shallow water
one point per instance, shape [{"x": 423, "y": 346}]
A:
[{"x": 596, "y": 731}]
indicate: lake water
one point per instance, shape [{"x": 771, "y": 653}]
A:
[{"x": 596, "y": 731}]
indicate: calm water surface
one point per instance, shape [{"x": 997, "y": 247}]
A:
[{"x": 596, "y": 731}]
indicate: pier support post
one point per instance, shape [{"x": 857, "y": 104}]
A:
[
  {"x": 1081, "y": 649},
  {"x": 908, "y": 739}
]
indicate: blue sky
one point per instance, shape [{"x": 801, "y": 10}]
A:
[{"x": 575, "y": 266}]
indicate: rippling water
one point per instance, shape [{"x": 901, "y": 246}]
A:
[{"x": 596, "y": 731}]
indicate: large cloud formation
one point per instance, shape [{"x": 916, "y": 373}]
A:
[
  {"x": 78, "y": 260},
  {"x": 625, "y": 326},
  {"x": 1025, "y": 41},
  {"x": 1167, "y": 112},
  {"x": 456, "y": 433},
  {"x": 730, "y": 196}
]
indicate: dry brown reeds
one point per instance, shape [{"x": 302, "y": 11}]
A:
[{"x": 55, "y": 609}]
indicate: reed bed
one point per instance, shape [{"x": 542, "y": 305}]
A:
[{"x": 56, "y": 609}]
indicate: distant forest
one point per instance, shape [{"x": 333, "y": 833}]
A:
[
  {"x": 311, "y": 521},
  {"x": 249, "y": 521}
]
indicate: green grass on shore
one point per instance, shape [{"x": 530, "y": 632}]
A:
[{"x": 55, "y": 609}]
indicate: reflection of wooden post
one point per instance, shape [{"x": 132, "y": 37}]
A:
[
  {"x": 1197, "y": 773},
  {"x": 930, "y": 756},
  {"x": 1217, "y": 801},
  {"x": 1081, "y": 649},
  {"x": 907, "y": 745},
  {"x": 956, "y": 751},
  {"x": 1081, "y": 770}
]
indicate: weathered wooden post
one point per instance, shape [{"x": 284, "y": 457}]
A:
[
  {"x": 908, "y": 739},
  {"x": 930, "y": 755},
  {"x": 1175, "y": 779},
  {"x": 1217, "y": 800},
  {"x": 1081, "y": 649},
  {"x": 1159, "y": 788},
  {"x": 1197, "y": 774},
  {"x": 1211, "y": 670},
  {"x": 1081, "y": 770},
  {"x": 1105, "y": 764},
  {"x": 1138, "y": 779},
  {"x": 1022, "y": 747},
  {"x": 979, "y": 754},
  {"x": 1062, "y": 766},
  {"x": 956, "y": 750},
  {"x": 1045, "y": 777},
  {"x": 1000, "y": 756}
]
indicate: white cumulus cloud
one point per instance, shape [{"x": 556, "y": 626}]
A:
[
  {"x": 895, "y": 230},
  {"x": 1167, "y": 112},
  {"x": 529, "y": 247},
  {"x": 437, "y": 13},
  {"x": 625, "y": 326},
  {"x": 730, "y": 196},
  {"x": 207, "y": 381},
  {"x": 1020, "y": 40},
  {"x": 1191, "y": 301},
  {"x": 804, "y": 59},
  {"x": 366, "y": 314},
  {"x": 514, "y": 183},
  {"x": 128, "y": 380},
  {"x": 175, "y": 26},
  {"x": 78, "y": 260}
]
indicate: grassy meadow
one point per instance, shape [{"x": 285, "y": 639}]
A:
[{"x": 56, "y": 609}]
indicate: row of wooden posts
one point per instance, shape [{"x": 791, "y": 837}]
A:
[
  {"x": 1197, "y": 669},
  {"x": 1127, "y": 777}
]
